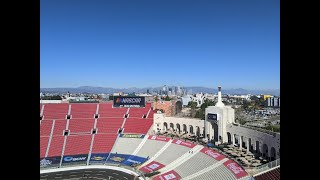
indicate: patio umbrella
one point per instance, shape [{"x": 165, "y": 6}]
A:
[{"x": 255, "y": 164}]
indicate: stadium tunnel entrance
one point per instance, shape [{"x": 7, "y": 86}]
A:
[{"x": 215, "y": 132}]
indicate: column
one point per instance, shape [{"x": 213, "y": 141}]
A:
[
  {"x": 240, "y": 141},
  {"x": 233, "y": 139}
]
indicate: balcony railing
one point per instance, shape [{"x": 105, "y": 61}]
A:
[{"x": 265, "y": 167}]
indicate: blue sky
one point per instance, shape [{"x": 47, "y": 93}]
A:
[{"x": 143, "y": 43}]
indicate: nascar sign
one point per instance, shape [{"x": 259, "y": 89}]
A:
[{"x": 129, "y": 101}]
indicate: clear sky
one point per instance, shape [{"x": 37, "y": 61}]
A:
[{"x": 143, "y": 43}]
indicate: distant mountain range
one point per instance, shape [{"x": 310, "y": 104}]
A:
[{"x": 108, "y": 90}]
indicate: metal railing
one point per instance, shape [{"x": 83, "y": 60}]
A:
[{"x": 265, "y": 167}]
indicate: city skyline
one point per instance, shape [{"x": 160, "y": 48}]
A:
[
  {"x": 161, "y": 86},
  {"x": 125, "y": 44}
]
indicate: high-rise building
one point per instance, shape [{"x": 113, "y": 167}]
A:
[
  {"x": 274, "y": 101},
  {"x": 179, "y": 91}
]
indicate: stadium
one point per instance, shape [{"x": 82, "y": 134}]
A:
[{"x": 128, "y": 139}]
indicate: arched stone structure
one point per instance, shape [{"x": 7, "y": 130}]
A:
[
  {"x": 165, "y": 126},
  {"x": 172, "y": 126},
  {"x": 198, "y": 131},
  {"x": 191, "y": 129},
  {"x": 273, "y": 154},
  {"x": 178, "y": 127},
  {"x": 185, "y": 130},
  {"x": 229, "y": 138},
  {"x": 258, "y": 148},
  {"x": 236, "y": 139},
  {"x": 265, "y": 151}
]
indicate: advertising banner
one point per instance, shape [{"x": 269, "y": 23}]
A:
[
  {"x": 235, "y": 169},
  {"x": 48, "y": 161},
  {"x": 172, "y": 175},
  {"x": 159, "y": 138},
  {"x": 118, "y": 158},
  {"x": 212, "y": 153},
  {"x": 132, "y": 135},
  {"x": 129, "y": 101},
  {"x": 152, "y": 166},
  {"x": 183, "y": 143},
  {"x": 75, "y": 158},
  {"x": 99, "y": 157},
  {"x": 135, "y": 161}
]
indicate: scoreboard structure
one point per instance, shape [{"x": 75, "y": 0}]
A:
[{"x": 212, "y": 117}]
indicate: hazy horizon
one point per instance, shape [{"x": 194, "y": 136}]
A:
[{"x": 160, "y": 87}]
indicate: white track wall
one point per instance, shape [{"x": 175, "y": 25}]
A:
[{"x": 90, "y": 167}]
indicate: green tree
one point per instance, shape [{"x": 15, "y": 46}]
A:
[
  {"x": 273, "y": 128},
  {"x": 255, "y": 99},
  {"x": 178, "y": 106},
  {"x": 132, "y": 94},
  {"x": 240, "y": 117},
  {"x": 246, "y": 105},
  {"x": 111, "y": 97},
  {"x": 200, "y": 114},
  {"x": 193, "y": 106},
  {"x": 167, "y": 98}
]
